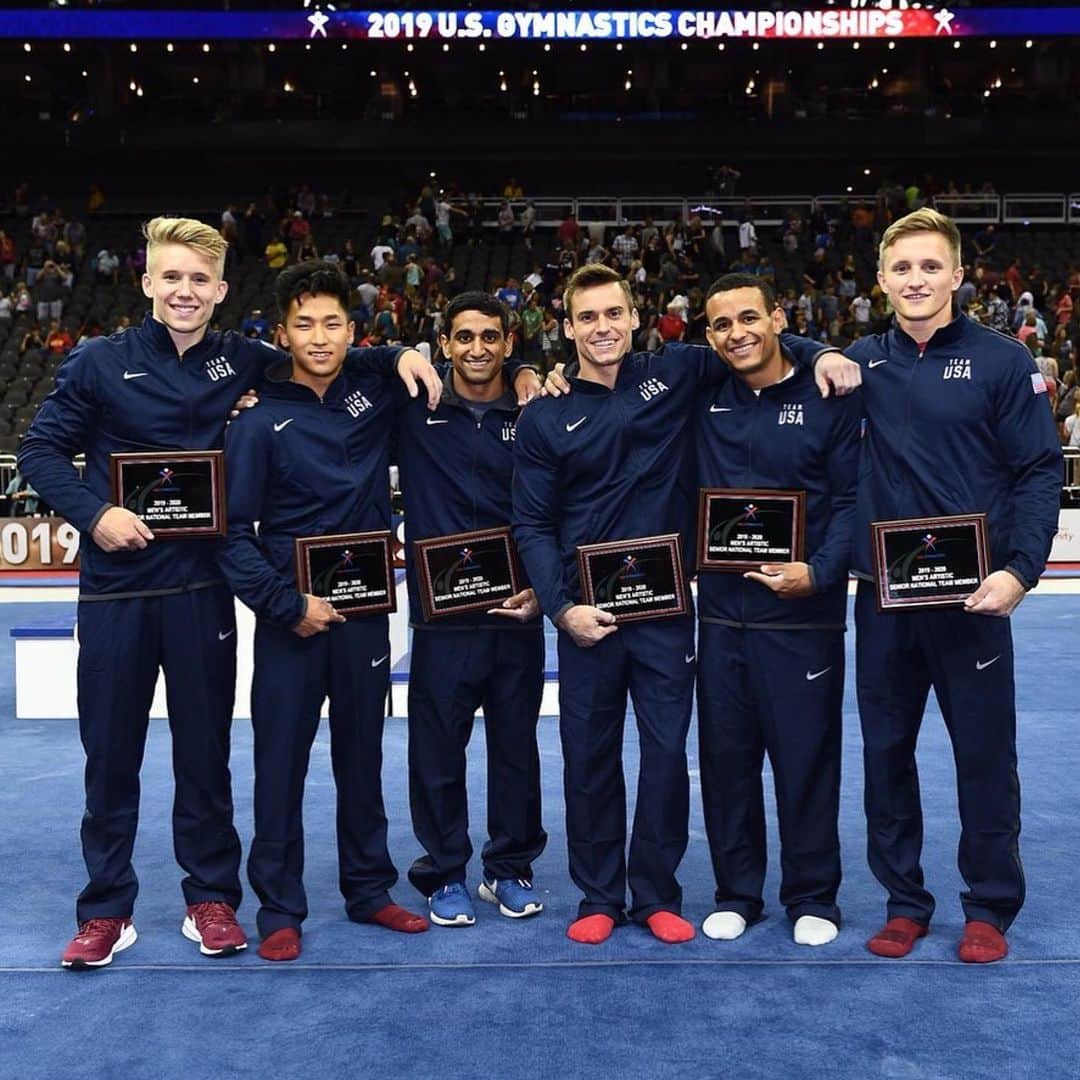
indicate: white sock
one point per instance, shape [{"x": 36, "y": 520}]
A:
[
  {"x": 812, "y": 930},
  {"x": 724, "y": 926}
]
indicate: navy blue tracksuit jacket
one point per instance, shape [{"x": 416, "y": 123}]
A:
[
  {"x": 771, "y": 671},
  {"x": 302, "y": 466},
  {"x": 163, "y": 607},
  {"x": 456, "y": 470},
  {"x": 959, "y": 425},
  {"x": 600, "y": 464}
]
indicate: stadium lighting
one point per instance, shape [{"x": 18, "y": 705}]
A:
[
  {"x": 27, "y": 47},
  {"x": 169, "y": 47},
  {"x": 28, "y": 78},
  {"x": 133, "y": 47},
  {"x": 67, "y": 46},
  {"x": 271, "y": 47},
  {"x": 206, "y": 47},
  {"x": 993, "y": 44},
  {"x": 1028, "y": 43}
]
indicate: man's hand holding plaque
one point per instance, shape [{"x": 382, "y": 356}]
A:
[
  {"x": 587, "y": 625},
  {"x": 319, "y": 616},
  {"x": 790, "y": 581},
  {"x": 121, "y": 530},
  {"x": 521, "y": 607}
]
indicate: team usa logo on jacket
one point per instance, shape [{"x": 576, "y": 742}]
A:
[
  {"x": 509, "y": 431},
  {"x": 791, "y": 414},
  {"x": 357, "y": 403},
  {"x": 219, "y": 369},
  {"x": 957, "y": 367},
  {"x": 651, "y": 388}
]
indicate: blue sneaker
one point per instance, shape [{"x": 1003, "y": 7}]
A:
[
  {"x": 514, "y": 896},
  {"x": 451, "y": 906}
]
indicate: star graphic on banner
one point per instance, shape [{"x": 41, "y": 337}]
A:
[
  {"x": 944, "y": 19},
  {"x": 318, "y": 23}
]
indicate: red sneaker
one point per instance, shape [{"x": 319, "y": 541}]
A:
[
  {"x": 97, "y": 942},
  {"x": 982, "y": 943},
  {"x": 213, "y": 925}
]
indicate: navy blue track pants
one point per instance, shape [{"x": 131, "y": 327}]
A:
[
  {"x": 778, "y": 692},
  {"x": 968, "y": 660},
  {"x": 452, "y": 673},
  {"x": 122, "y": 645},
  {"x": 654, "y": 663},
  {"x": 350, "y": 664}
]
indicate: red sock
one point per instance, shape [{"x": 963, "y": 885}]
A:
[
  {"x": 283, "y": 944},
  {"x": 591, "y": 929},
  {"x": 395, "y": 917},
  {"x": 982, "y": 943},
  {"x": 896, "y": 938},
  {"x": 669, "y": 927}
]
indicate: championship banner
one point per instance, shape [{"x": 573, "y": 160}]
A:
[
  {"x": 315, "y": 20},
  {"x": 38, "y": 543}
]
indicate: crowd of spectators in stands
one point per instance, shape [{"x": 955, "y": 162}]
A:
[{"x": 404, "y": 271}]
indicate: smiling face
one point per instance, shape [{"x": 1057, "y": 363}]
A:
[
  {"x": 745, "y": 334},
  {"x": 919, "y": 274},
  {"x": 317, "y": 333},
  {"x": 601, "y": 325},
  {"x": 477, "y": 347},
  {"x": 184, "y": 286}
]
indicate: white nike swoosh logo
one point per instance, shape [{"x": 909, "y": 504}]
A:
[
  {"x": 432, "y": 423},
  {"x": 689, "y": 659},
  {"x": 811, "y": 676},
  {"x": 284, "y": 423},
  {"x": 576, "y": 424},
  {"x": 135, "y": 375},
  {"x": 877, "y": 363},
  {"x": 718, "y": 408},
  {"x": 227, "y": 634},
  {"x": 376, "y": 663},
  {"x": 979, "y": 665}
]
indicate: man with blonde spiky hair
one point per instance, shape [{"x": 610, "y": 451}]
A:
[
  {"x": 143, "y": 604},
  {"x": 956, "y": 425}
]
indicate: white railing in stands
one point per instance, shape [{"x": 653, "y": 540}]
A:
[{"x": 768, "y": 210}]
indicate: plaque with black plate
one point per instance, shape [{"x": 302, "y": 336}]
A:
[
  {"x": 464, "y": 572},
  {"x": 741, "y": 528},
  {"x": 635, "y": 579},
  {"x": 354, "y": 571},
  {"x": 179, "y": 494},
  {"x": 929, "y": 562}
]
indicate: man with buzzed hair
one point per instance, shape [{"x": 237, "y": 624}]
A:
[{"x": 146, "y": 605}]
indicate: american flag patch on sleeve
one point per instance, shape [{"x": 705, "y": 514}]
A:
[{"x": 1038, "y": 383}]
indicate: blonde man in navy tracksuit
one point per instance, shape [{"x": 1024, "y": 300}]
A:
[
  {"x": 312, "y": 460},
  {"x": 958, "y": 424},
  {"x": 771, "y": 640}
]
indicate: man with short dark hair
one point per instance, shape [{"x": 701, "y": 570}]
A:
[
  {"x": 312, "y": 461},
  {"x": 769, "y": 428},
  {"x": 456, "y": 469}
]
